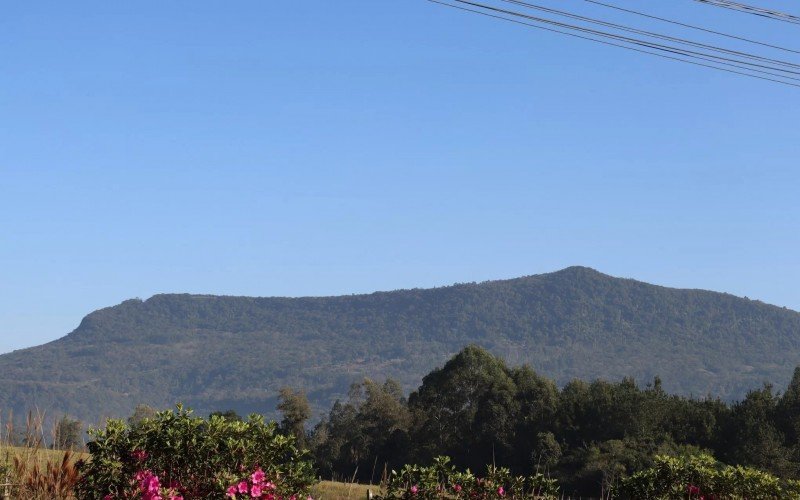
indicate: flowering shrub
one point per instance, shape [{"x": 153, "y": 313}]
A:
[
  {"x": 176, "y": 455},
  {"x": 257, "y": 485},
  {"x": 443, "y": 480},
  {"x": 703, "y": 478},
  {"x": 151, "y": 489}
]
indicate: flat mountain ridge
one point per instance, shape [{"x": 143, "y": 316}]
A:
[{"x": 221, "y": 352}]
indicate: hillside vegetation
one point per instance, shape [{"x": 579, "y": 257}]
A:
[
  {"x": 218, "y": 353},
  {"x": 589, "y": 436}
]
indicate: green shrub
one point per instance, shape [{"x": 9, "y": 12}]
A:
[
  {"x": 442, "y": 480},
  {"x": 700, "y": 476},
  {"x": 175, "y": 455}
]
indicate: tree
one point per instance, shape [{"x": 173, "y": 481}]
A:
[
  {"x": 366, "y": 433},
  {"x": 538, "y": 400},
  {"x": 140, "y": 413},
  {"x": 546, "y": 452},
  {"x": 750, "y": 436},
  {"x": 466, "y": 410},
  {"x": 67, "y": 434},
  {"x": 788, "y": 410},
  {"x": 228, "y": 415},
  {"x": 295, "y": 409}
]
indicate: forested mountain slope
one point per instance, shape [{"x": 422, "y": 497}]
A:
[{"x": 236, "y": 352}]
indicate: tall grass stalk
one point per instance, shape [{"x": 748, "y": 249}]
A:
[{"x": 28, "y": 469}]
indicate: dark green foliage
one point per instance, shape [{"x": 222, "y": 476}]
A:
[
  {"x": 295, "y": 410},
  {"x": 443, "y": 481},
  {"x": 752, "y": 431},
  {"x": 229, "y": 415},
  {"x": 700, "y": 476},
  {"x": 368, "y": 432},
  {"x": 200, "y": 457},
  {"x": 218, "y": 353},
  {"x": 589, "y": 436},
  {"x": 467, "y": 410},
  {"x": 788, "y": 409},
  {"x": 67, "y": 434},
  {"x": 141, "y": 413}
]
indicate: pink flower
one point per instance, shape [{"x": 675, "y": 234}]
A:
[
  {"x": 255, "y": 491},
  {"x": 269, "y": 485},
  {"x": 457, "y": 488},
  {"x": 149, "y": 485},
  {"x": 501, "y": 491},
  {"x": 231, "y": 491},
  {"x": 693, "y": 490},
  {"x": 414, "y": 489},
  {"x": 152, "y": 484},
  {"x": 108, "y": 497},
  {"x": 258, "y": 476},
  {"x": 139, "y": 455}
]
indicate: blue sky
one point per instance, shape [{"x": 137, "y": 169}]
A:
[{"x": 319, "y": 147}]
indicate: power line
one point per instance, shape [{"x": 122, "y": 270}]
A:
[
  {"x": 652, "y": 34},
  {"x": 750, "y": 9},
  {"x": 621, "y": 45},
  {"x": 691, "y": 26},
  {"x": 724, "y": 61}
]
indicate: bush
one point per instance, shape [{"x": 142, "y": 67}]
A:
[
  {"x": 442, "y": 480},
  {"x": 175, "y": 455},
  {"x": 700, "y": 476}
]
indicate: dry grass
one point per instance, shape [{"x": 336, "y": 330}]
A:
[
  {"x": 32, "y": 471},
  {"x": 56, "y": 480},
  {"x": 330, "y": 490},
  {"x": 31, "y": 456}
]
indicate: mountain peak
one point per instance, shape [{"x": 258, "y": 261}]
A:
[
  {"x": 582, "y": 271},
  {"x": 219, "y": 352}
]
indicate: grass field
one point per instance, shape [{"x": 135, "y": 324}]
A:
[
  {"x": 33, "y": 455},
  {"x": 37, "y": 473},
  {"x": 329, "y": 490}
]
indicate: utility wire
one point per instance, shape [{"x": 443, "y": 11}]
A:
[
  {"x": 750, "y": 9},
  {"x": 652, "y": 34},
  {"x": 691, "y": 26},
  {"x": 724, "y": 61},
  {"x": 619, "y": 45}
]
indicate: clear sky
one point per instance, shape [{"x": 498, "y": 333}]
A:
[{"x": 332, "y": 147}]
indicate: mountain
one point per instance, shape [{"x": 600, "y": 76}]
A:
[{"x": 218, "y": 353}]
